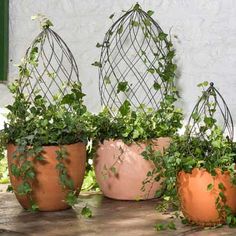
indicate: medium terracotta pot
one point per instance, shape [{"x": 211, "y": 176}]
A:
[
  {"x": 121, "y": 169},
  {"x": 198, "y": 203},
  {"x": 47, "y": 191}
]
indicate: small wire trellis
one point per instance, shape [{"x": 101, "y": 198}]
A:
[
  {"x": 135, "y": 62},
  {"x": 49, "y": 67},
  {"x": 211, "y": 108}
]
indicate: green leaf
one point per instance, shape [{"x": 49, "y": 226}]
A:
[
  {"x": 34, "y": 207},
  {"x": 98, "y": 45},
  {"x": 171, "y": 225},
  {"x": 113, "y": 170},
  {"x": 111, "y": 16},
  {"x": 147, "y": 22},
  {"x": 15, "y": 170},
  {"x": 228, "y": 219},
  {"x": 162, "y": 36},
  {"x": 136, "y": 7},
  {"x": 71, "y": 198},
  {"x": 122, "y": 87},
  {"x": 222, "y": 196},
  {"x": 150, "y": 12},
  {"x": 134, "y": 23},
  {"x": 151, "y": 70},
  {"x": 125, "y": 108},
  {"x": 107, "y": 80},
  {"x": 221, "y": 186},
  {"x": 170, "y": 55},
  {"x": 86, "y": 212},
  {"x": 160, "y": 227},
  {"x": 216, "y": 143},
  {"x": 156, "y": 86},
  {"x": 203, "y": 84},
  {"x": 120, "y": 30},
  {"x": 24, "y": 189},
  {"x": 30, "y": 174},
  {"x": 97, "y": 63},
  {"x": 210, "y": 187},
  {"x": 10, "y": 188}
]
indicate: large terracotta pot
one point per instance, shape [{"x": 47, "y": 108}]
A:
[
  {"x": 121, "y": 169},
  {"x": 198, "y": 203},
  {"x": 47, "y": 191}
]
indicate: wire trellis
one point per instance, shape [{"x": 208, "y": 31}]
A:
[
  {"x": 50, "y": 66},
  {"x": 134, "y": 55},
  {"x": 211, "y": 105}
]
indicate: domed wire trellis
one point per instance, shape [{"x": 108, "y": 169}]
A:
[
  {"x": 212, "y": 106},
  {"x": 49, "y": 67},
  {"x": 135, "y": 57}
]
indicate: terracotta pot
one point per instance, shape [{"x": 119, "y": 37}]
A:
[
  {"x": 121, "y": 169},
  {"x": 198, "y": 203},
  {"x": 47, "y": 191}
]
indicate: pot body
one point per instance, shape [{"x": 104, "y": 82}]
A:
[
  {"x": 47, "y": 192},
  {"x": 197, "y": 203},
  {"x": 121, "y": 169}
]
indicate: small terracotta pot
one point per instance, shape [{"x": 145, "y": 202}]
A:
[
  {"x": 121, "y": 169},
  {"x": 48, "y": 193},
  {"x": 197, "y": 203}
]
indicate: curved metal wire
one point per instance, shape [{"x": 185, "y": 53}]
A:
[
  {"x": 131, "y": 54},
  {"x": 211, "y": 105},
  {"x": 51, "y": 67}
]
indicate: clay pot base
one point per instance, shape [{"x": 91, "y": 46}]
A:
[
  {"x": 124, "y": 181},
  {"x": 48, "y": 193},
  {"x": 197, "y": 203}
]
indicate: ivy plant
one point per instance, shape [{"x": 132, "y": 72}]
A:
[
  {"x": 33, "y": 122},
  {"x": 209, "y": 150}
]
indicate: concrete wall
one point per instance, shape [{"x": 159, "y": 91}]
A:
[{"x": 206, "y": 44}]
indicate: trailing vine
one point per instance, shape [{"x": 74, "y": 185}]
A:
[
  {"x": 208, "y": 149},
  {"x": 33, "y": 122}
]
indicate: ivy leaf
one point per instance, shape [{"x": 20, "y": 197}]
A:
[
  {"x": 97, "y": 63},
  {"x": 86, "y": 212},
  {"x": 107, "y": 80},
  {"x": 160, "y": 227},
  {"x": 216, "y": 143},
  {"x": 162, "y": 36},
  {"x": 203, "y": 84},
  {"x": 10, "y": 189},
  {"x": 111, "y": 16},
  {"x": 171, "y": 225},
  {"x": 120, "y": 30},
  {"x": 98, "y": 45},
  {"x": 71, "y": 198},
  {"x": 229, "y": 219},
  {"x": 147, "y": 22},
  {"x": 150, "y": 12},
  {"x": 136, "y": 7},
  {"x": 209, "y": 187},
  {"x": 24, "y": 189},
  {"x": 134, "y": 23},
  {"x": 170, "y": 54},
  {"x": 151, "y": 70},
  {"x": 125, "y": 108},
  {"x": 34, "y": 207},
  {"x": 122, "y": 86},
  {"x": 156, "y": 86},
  {"x": 15, "y": 170},
  {"x": 221, "y": 186}
]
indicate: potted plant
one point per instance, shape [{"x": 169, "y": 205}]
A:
[
  {"x": 199, "y": 167},
  {"x": 121, "y": 171},
  {"x": 137, "y": 88},
  {"x": 45, "y": 136}
]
